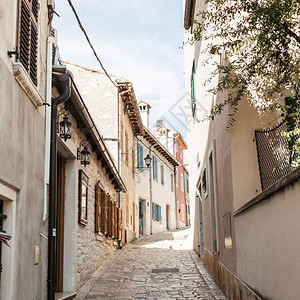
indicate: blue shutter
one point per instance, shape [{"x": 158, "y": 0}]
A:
[
  {"x": 153, "y": 211},
  {"x": 139, "y": 156},
  {"x": 159, "y": 213}
]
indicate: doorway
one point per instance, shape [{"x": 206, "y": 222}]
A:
[
  {"x": 60, "y": 219},
  {"x": 141, "y": 216}
]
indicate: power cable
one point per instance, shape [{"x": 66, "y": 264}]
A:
[{"x": 88, "y": 40}]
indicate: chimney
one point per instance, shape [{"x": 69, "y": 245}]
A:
[{"x": 144, "y": 111}]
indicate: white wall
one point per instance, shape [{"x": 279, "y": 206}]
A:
[{"x": 161, "y": 194}]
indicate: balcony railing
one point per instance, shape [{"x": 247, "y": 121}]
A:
[{"x": 276, "y": 154}]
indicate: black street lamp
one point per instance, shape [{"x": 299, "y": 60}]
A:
[
  {"x": 147, "y": 160},
  {"x": 65, "y": 126},
  {"x": 84, "y": 154}
]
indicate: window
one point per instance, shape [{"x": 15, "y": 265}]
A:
[
  {"x": 193, "y": 90},
  {"x": 172, "y": 183},
  {"x": 181, "y": 182},
  {"x": 204, "y": 183},
  {"x": 83, "y": 198},
  {"x": 187, "y": 186},
  {"x": 133, "y": 161},
  {"x": 176, "y": 179},
  {"x": 140, "y": 156},
  {"x": 28, "y": 37},
  {"x": 227, "y": 231},
  {"x": 155, "y": 175},
  {"x": 176, "y": 147},
  {"x": 156, "y": 212},
  {"x": 162, "y": 175},
  {"x": 126, "y": 149},
  {"x": 180, "y": 151}
]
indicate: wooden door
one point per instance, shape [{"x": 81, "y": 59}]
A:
[{"x": 60, "y": 212}]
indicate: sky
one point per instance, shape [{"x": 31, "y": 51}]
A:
[{"x": 140, "y": 40}]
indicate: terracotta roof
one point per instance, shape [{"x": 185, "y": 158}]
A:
[
  {"x": 142, "y": 101},
  {"x": 128, "y": 96}
]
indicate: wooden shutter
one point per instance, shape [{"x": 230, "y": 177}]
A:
[
  {"x": 106, "y": 213},
  {"x": 116, "y": 220},
  {"x": 109, "y": 217},
  {"x": 119, "y": 224},
  {"x": 28, "y": 37},
  {"x": 102, "y": 212},
  {"x": 127, "y": 209},
  {"x": 113, "y": 220},
  {"x": 98, "y": 208}
]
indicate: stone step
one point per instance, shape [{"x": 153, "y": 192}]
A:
[{"x": 65, "y": 295}]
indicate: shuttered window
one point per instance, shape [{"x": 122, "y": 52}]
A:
[
  {"x": 193, "y": 90},
  {"x": 28, "y": 36},
  {"x": 109, "y": 220},
  {"x": 156, "y": 212},
  {"x": 155, "y": 173},
  {"x": 98, "y": 209},
  {"x": 139, "y": 156}
]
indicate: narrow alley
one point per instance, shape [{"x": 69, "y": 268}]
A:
[{"x": 160, "y": 266}]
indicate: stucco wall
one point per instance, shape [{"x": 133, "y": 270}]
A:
[
  {"x": 161, "y": 194},
  {"x": 22, "y": 160},
  {"x": 268, "y": 243}
]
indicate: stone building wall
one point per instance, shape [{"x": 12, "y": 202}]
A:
[{"x": 91, "y": 248}]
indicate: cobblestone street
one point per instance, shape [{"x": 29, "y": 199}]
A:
[{"x": 161, "y": 266}]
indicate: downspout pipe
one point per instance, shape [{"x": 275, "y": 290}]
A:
[
  {"x": 50, "y": 42},
  {"x": 65, "y": 81},
  {"x": 176, "y": 202}
]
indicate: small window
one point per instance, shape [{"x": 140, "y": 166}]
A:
[
  {"x": 176, "y": 179},
  {"x": 193, "y": 90},
  {"x": 181, "y": 182},
  {"x": 140, "y": 156},
  {"x": 162, "y": 175},
  {"x": 187, "y": 186},
  {"x": 204, "y": 181},
  {"x": 172, "y": 183},
  {"x": 227, "y": 231},
  {"x": 155, "y": 173},
  {"x": 28, "y": 37},
  {"x": 156, "y": 212},
  {"x": 126, "y": 149}
]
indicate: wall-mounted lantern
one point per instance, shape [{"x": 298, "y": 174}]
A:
[
  {"x": 65, "y": 126},
  {"x": 83, "y": 153},
  {"x": 147, "y": 160}
]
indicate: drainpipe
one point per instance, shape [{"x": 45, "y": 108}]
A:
[
  {"x": 50, "y": 42},
  {"x": 66, "y": 85},
  {"x": 176, "y": 204},
  {"x": 150, "y": 184}
]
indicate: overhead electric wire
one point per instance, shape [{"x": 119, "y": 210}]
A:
[{"x": 88, "y": 40}]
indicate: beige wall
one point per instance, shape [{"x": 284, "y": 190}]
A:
[
  {"x": 107, "y": 110},
  {"x": 268, "y": 244},
  {"x": 22, "y": 127}
]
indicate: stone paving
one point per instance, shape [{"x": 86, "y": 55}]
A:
[{"x": 160, "y": 266}]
